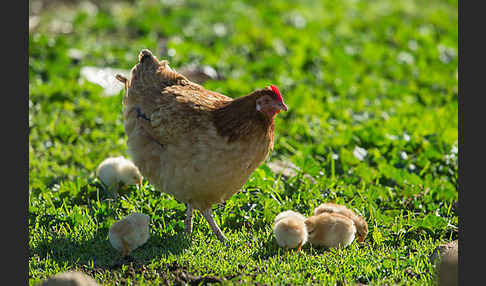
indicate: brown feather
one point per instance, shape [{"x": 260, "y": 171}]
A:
[{"x": 239, "y": 119}]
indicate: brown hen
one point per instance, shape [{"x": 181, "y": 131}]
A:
[{"x": 198, "y": 145}]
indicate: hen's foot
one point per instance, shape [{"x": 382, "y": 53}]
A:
[{"x": 209, "y": 217}]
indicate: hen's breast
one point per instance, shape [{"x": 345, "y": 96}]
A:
[
  {"x": 207, "y": 170},
  {"x": 203, "y": 169}
]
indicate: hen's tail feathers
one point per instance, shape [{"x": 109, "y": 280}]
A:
[
  {"x": 123, "y": 80},
  {"x": 152, "y": 73}
]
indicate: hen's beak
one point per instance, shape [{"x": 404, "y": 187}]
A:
[
  {"x": 361, "y": 239},
  {"x": 283, "y": 106}
]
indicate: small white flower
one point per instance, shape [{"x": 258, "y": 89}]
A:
[
  {"x": 360, "y": 153},
  {"x": 406, "y": 137},
  {"x": 219, "y": 29},
  {"x": 405, "y": 58},
  {"x": 403, "y": 155},
  {"x": 171, "y": 52}
]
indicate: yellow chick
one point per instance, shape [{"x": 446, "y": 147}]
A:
[
  {"x": 448, "y": 271},
  {"x": 330, "y": 230},
  {"x": 129, "y": 233},
  {"x": 289, "y": 229},
  {"x": 359, "y": 222},
  {"x": 118, "y": 170},
  {"x": 70, "y": 278}
]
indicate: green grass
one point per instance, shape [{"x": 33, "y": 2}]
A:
[{"x": 378, "y": 75}]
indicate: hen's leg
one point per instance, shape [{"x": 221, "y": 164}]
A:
[
  {"x": 188, "y": 220},
  {"x": 209, "y": 217}
]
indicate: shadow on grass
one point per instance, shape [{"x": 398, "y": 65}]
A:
[
  {"x": 98, "y": 252},
  {"x": 157, "y": 246},
  {"x": 271, "y": 249}
]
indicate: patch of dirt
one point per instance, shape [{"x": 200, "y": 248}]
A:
[
  {"x": 200, "y": 74},
  {"x": 287, "y": 169},
  {"x": 132, "y": 268},
  {"x": 104, "y": 77},
  {"x": 183, "y": 277},
  {"x": 173, "y": 274}
]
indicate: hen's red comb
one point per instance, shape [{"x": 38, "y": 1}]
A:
[{"x": 277, "y": 92}]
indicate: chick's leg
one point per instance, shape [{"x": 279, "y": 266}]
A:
[
  {"x": 209, "y": 217},
  {"x": 299, "y": 248},
  {"x": 126, "y": 248},
  {"x": 188, "y": 220}
]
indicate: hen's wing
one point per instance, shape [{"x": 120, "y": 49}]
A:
[
  {"x": 180, "y": 112},
  {"x": 167, "y": 104}
]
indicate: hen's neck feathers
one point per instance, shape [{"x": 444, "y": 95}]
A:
[{"x": 239, "y": 119}]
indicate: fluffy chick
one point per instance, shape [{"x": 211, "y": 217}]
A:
[
  {"x": 118, "y": 170},
  {"x": 330, "y": 230},
  {"x": 448, "y": 271},
  {"x": 70, "y": 278},
  {"x": 290, "y": 230},
  {"x": 129, "y": 233},
  {"x": 359, "y": 222}
]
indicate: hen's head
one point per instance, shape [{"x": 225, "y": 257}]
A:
[{"x": 270, "y": 101}]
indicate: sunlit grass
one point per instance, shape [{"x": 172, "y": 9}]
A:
[{"x": 372, "y": 93}]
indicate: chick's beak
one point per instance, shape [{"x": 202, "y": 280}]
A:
[{"x": 283, "y": 106}]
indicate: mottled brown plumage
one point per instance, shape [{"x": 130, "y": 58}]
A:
[
  {"x": 251, "y": 123},
  {"x": 330, "y": 230},
  {"x": 198, "y": 145},
  {"x": 359, "y": 222}
]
